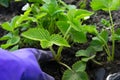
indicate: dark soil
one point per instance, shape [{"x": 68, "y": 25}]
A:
[{"x": 68, "y": 55}]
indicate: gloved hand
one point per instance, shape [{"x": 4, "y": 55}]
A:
[{"x": 22, "y": 64}]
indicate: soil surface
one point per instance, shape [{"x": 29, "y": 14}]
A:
[{"x": 68, "y": 55}]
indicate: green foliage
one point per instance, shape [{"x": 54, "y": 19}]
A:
[
  {"x": 57, "y": 25},
  {"x": 45, "y": 38},
  {"x": 83, "y": 4},
  {"x": 77, "y": 72},
  {"x": 13, "y": 28},
  {"x": 102, "y": 38},
  {"x": 4, "y": 3},
  {"x": 105, "y": 5}
]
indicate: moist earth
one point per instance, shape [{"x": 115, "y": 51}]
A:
[{"x": 68, "y": 55}]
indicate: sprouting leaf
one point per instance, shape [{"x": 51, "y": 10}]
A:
[
  {"x": 97, "y": 44},
  {"x": 117, "y": 34},
  {"x": 90, "y": 29},
  {"x": 104, "y": 35},
  {"x": 82, "y": 14},
  {"x": 45, "y": 38},
  {"x": 6, "y": 37},
  {"x": 105, "y": 22},
  {"x": 117, "y": 31},
  {"x": 51, "y": 7},
  {"x": 82, "y": 53},
  {"x": 46, "y": 43},
  {"x": 47, "y": 1},
  {"x": 63, "y": 26},
  {"x": 105, "y": 5},
  {"x": 79, "y": 66},
  {"x": 37, "y": 34},
  {"x": 85, "y": 59},
  {"x": 14, "y": 48},
  {"x": 11, "y": 42},
  {"x": 39, "y": 16},
  {"x": 14, "y": 21},
  {"x": 7, "y": 26},
  {"x": 86, "y": 53},
  {"x": 4, "y": 3},
  {"x": 79, "y": 37},
  {"x": 78, "y": 14},
  {"x": 59, "y": 40},
  {"x": 70, "y": 75},
  {"x": 75, "y": 24}
]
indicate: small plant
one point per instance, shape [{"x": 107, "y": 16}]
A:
[
  {"x": 68, "y": 24},
  {"x": 101, "y": 39},
  {"x": 14, "y": 27},
  {"x": 59, "y": 24}
]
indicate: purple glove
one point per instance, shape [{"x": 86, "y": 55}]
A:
[{"x": 22, "y": 64}]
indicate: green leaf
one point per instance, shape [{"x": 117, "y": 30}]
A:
[
  {"x": 37, "y": 34},
  {"x": 105, "y": 4},
  {"x": 69, "y": 75},
  {"x": 86, "y": 53},
  {"x": 78, "y": 14},
  {"x": 75, "y": 24},
  {"x": 14, "y": 40},
  {"x": 46, "y": 44},
  {"x": 41, "y": 15},
  {"x": 104, "y": 35},
  {"x": 7, "y": 26},
  {"x": 86, "y": 59},
  {"x": 14, "y": 48},
  {"x": 79, "y": 37},
  {"x": 90, "y": 29},
  {"x": 45, "y": 38},
  {"x": 105, "y": 22},
  {"x": 83, "y": 14},
  {"x": 51, "y": 8},
  {"x": 14, "y": 21},
  {"x": 117, "y": 34},
  {"x": 117, "y": 31},
  {"x": 97, "y": 44},
  {"x": 82, "y": 53},
  {"x": 4, "y": 3},
  {"x": 58, "y": 40},
  {"x": 79, "y": 66},
  {"x": 47, "y": 1},
  {"x": 63, "y": 26},
  {"x": 6, "y": 37}
]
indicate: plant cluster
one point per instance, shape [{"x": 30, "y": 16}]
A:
[{"x": 53, "y": 22}]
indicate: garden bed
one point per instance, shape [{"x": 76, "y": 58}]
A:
[{"x": 68, "y": 54}]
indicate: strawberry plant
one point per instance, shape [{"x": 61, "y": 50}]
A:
[
  {"x": 59, "y": 24},
  {"x": 102, "y": 38},
  {"x": 14, "y": 27}
]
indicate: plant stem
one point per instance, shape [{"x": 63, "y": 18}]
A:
[
  {"x": 96, "y": 62},
  {"x": 61, "y": 47},
  {"x": 66, "y": 66},
  {"x": 113, "y": 32},
  {"x": 62, "y": 3},
  {"x": 106, "y": 46},
  {"x": 53, "y": 51}
]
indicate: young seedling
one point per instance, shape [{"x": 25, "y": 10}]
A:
[
  {"x": 102, "y": 38},
  {"x": 13, "y": 28},
  {"x": 67, "y": 20}
]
